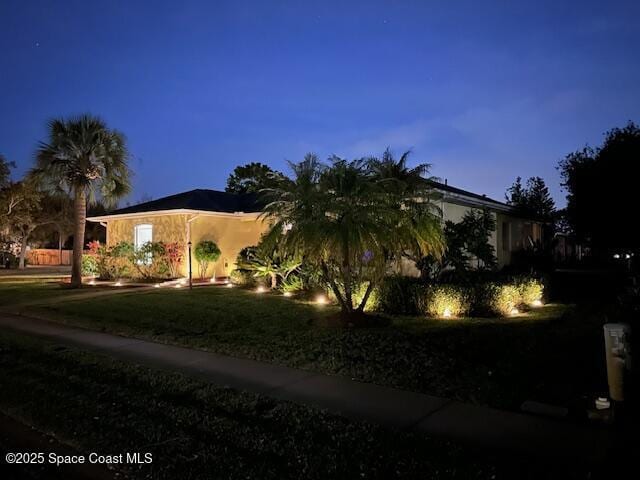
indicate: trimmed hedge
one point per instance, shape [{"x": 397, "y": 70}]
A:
[{"x": 402, "y": 295}]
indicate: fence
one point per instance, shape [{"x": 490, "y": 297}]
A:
[{"x": 49, "y": 256}]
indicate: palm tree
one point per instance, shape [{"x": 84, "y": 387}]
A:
[
  {"x": 351, "y": 218},
  {"x": 85, "y": 159}
]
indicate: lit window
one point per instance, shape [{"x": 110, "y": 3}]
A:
[{"x": 143, "y": 234}]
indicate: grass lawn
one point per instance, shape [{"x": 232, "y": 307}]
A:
[
  {"x": 553, "y": 354},
  {"x": 196, "y": 430}
]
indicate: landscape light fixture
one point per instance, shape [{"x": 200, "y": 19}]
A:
[
  {"x": 321, "y": 299},
  {"x": 447, "y": 313},
  {"x": 260, "y": 289}
]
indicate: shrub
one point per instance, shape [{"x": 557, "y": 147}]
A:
[
  {"x": 505, "y": 298},
  {"x": 174, "y": 254},
  {"x": 206, "y": 252},
  {"x": 402, "y": 295},
  {"x": 113, "y": 262},
  {"x": 89, "y": 265},
  {"x": 149, "y": 260},
  {"x": 242, "y": 278},
  {"x": 531, "y": 291},
  {"x": 447, "y": 301},
  {"x": 292, "y": 284}
]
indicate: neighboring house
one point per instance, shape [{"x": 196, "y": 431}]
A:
[{"x": 233, "y": 222}]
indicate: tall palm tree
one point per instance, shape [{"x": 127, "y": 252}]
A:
[
  {"x": 87, "y": 160},
  {"x": 350, "y": 220}
]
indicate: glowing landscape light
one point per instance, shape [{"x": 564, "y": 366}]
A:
[
  {"x": 229, "y": 285},
  {"x": 260, "y": 289},
  {"x": 536, "y": 303},
  {"x": 514, "y": 311},
  {"x": 447, "y": 313},
  {"x": 321, "y": 299},
  {"x": 287, "y": 294},
  {"x": 118, "y": 284},
  {"x": 157, "y": 285}
]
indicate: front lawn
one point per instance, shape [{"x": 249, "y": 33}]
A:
[
  {"x": 553, "y": 354},
  {"x": 197, "y": 430}
]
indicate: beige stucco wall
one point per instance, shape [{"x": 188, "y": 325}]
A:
[{"x": 231, "y": 234}]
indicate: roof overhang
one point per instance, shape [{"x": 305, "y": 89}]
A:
[
  {"x": 176, "y": 211},
  {"x": 466, "y": 200}
]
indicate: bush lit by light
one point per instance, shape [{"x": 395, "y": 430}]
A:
[
  {"x": 447, "y": 301},
  {"x": 531, "y": 292}
]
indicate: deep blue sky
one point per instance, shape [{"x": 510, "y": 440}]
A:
[{"x": 483, "y": 91}]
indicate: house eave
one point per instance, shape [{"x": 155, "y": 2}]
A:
[{"x": 176, "y": 211}]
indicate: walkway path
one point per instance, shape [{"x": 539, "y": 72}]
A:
[{"x": 479, "y": 426}]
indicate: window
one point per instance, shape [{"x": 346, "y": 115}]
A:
[{"x": 142, "y": 234}]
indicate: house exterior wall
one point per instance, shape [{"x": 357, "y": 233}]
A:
[{"x": 231, "y": 234}]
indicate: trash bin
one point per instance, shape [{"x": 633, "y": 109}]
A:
[{"x": 617, "y": 347}]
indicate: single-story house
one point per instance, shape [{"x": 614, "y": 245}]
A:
[{"x": 233, "y": 222}]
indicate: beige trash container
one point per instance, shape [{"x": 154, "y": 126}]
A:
[{"x": 616, "y": 343}]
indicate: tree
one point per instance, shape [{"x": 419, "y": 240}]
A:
[
  {"x": 533, "y": 201},
  {"x": 350, "y": 219},
  {"x": 252, "y": 178},
  {"x": 468, "y": 240},
  {"x": 601, "y": 185},
  {"x": 33, "y": 210},
  {"x": 85, "y": 158},
  {"x": 206, "y": 252},
  {"x": 5, "y": 171}
]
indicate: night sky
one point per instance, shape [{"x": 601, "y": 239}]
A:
[{"x": 484, "y": 93}]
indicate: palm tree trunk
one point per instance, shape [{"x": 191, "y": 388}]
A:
[
  {"x": 23, "y": 250},
  {"x": 365, "y": 299},
  {"x": 80, "y": 218}
]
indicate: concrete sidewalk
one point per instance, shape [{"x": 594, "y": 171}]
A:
[{"x": 471, "y": 424}]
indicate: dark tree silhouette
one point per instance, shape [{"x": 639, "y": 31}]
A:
[
  {"x": 533, "y": 200},
  {"x": 601, "y": 185},
  {"x": 253, "y": 177}
]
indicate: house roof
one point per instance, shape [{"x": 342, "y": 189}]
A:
[
  {"x": 203, "y": 200},
  {"x": 199, "y": 199},
  {"x": 465, "y": 194}
]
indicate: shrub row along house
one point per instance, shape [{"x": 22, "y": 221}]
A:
[{"x": 233, "y": 222}]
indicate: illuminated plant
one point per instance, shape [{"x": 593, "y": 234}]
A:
[
  {"x": 531, "y": 292},
  {"x": 352, "y": 219},
  {"x": 206, "y": 252},
  {"x": 174, "y": 253},
  {"x": 292, "y": 284},
  {"x": 505, "y": 299},
  {"x": 447, "y": 301}
]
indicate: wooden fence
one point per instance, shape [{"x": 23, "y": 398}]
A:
[{"x": 49, "y": 256}]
